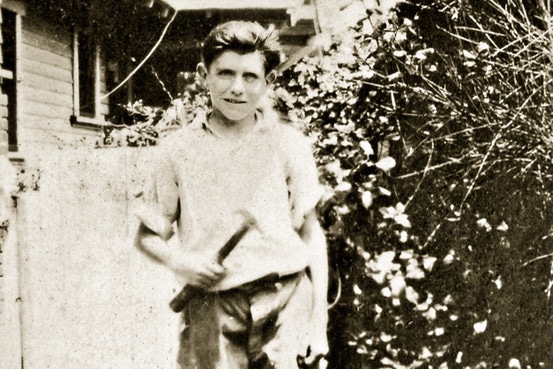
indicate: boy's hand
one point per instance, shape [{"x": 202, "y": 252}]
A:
[
  {"x": 316, "y": 346},
  {"x": 198, "y": 270},
  {"x": 318, "y": 349}
]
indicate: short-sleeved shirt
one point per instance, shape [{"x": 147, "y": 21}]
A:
[{"x": 203, "y": 181}]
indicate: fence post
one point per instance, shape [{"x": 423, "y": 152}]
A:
[{"x": 10, "y": 300}]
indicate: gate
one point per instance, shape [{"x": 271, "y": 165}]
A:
[{"x": 88, "y": 298}]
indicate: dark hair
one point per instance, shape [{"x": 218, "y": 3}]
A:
[{"x": 243, "y": 37}]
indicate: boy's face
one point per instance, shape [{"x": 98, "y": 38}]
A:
[{"x": 236, "y": 82}]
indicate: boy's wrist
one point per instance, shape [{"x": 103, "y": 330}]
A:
[
  {"x": 176, "y": 260},
  {"x": 320, "y": 314}
]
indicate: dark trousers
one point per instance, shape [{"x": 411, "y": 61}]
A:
[{"x": 256, "y": 326}]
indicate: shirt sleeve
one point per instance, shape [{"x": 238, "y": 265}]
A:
[
  {"x": 161, "y": 191},
  {"x": 304, "y": 188}
]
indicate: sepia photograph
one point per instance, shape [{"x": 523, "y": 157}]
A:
[{"x": 276, "y": 184}]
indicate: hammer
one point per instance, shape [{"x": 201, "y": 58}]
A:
[{"x": 180, "y": 300}]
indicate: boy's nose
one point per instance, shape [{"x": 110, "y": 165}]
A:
[{"x": 237, "y": 86}]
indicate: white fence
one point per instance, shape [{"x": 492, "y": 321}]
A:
[{"x": 88, "y": 298}]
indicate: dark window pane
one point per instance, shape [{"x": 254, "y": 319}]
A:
[
  {"x": 87, "y": 75},
  {"x": 7, "y": 86}
]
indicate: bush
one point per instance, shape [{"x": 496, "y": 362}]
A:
[
  {"x": 137, "y": 125},
  {"x": 444, "y": 256},
  {"x": 431, "y": 129}
]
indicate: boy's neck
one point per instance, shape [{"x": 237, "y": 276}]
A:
[{"x": 228, "y": 128}]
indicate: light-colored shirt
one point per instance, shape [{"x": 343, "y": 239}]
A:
[{"x": 203, "y": 181}]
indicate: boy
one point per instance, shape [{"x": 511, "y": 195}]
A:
[{"x": 265, "y": 304}]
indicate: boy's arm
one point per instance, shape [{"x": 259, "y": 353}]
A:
[
  {"x": 197, "y": 270},
  {"x": 153, "y": 245},
  {"x": 313, "y": 235}
]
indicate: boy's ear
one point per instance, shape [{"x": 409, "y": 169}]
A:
[
  {"x": 271, "y": 77},
  {"x": 202, "y": 73}
]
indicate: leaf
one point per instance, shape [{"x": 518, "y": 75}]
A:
[
  {"x": 384, "y": 263},
  {"x": 411, "y": 295},
  {"x": 406, "y": 255},
  {"x": 386, "y": 163},
  {"x": 343, "y": 187},
  {"x": 483, "y": 223},
  {"x": 514, "y": 364},
  {"x": 403, "y": 236},
  {"x": 480, "y": 327},
  {"x": 366, "y": 199},
  {"x": 425, "y": 353},
  {"x": 428, "y": 262},
  {"x": 396, "y": 213},
  {"x": 362, "y": 350},
  {"x": 383, "y": 191},
  {"x": 503, "y": 227},
  {"x": 395, "y": 76},
  {"x": 498, "y": 282},
  {"x": 366, "y": 147},
  {"x": 397, "y": 285},
  {"x": 384, "y": 337},
  {"x": 482, "y": 47},
  {"x": 430, "y": 314},
  {"x": 413, "y": 270},
  {"x": 459, "y": 357},
  {"x": 450, "y": 257},
  {"x": 469, "y": 55}
]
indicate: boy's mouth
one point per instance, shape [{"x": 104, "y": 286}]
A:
[{"x": 232, "y": 101}]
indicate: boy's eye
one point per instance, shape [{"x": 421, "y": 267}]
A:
[
  {"x": 250, "y": 77},
  {"x": 225, "y": 73}
]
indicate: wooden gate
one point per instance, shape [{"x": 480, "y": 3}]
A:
[{"x": 89, "y": 299}]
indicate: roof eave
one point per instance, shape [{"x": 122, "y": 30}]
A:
[{"x": 183, "y": 5}]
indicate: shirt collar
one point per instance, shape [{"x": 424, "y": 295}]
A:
[{"x": 200, "y": 121}]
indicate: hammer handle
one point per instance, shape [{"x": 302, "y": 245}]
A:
[{"x": 178, "y": 303}]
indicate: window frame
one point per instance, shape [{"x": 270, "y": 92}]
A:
[
  {"x": 97, "y": 121},
  {"x": 19, "y": 10}
]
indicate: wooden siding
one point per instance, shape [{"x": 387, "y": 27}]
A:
[
  {"x": 46, "y": 87},
  {"x": 47, "y": 36},
  {"x": 227, "y": 4},
  {"x": 46, "y": 83}
]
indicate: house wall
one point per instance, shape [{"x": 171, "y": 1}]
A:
[{"x": 46, "y": 87}]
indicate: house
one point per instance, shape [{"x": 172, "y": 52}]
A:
[{"x": 62, "y": 59}]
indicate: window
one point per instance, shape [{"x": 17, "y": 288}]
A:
[
  {"x": 87, "y": 76},
  {"x": 86, "y": 81},
  {"x": 11, "y": 26}
]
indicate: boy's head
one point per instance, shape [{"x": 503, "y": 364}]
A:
[
  {"x": 243, "y": 37},
  {"x": 239, "y": 64}
]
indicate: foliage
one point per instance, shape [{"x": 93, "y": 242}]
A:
[
  {"x": 431, "y": 129},
  {"x": 444, "y": 256},
  {"x": 13, "y": 182},
  {"x": 138, "y": 125},
  {"x": 132, "y": 125},
  {"x": 8, "y": 187}
]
